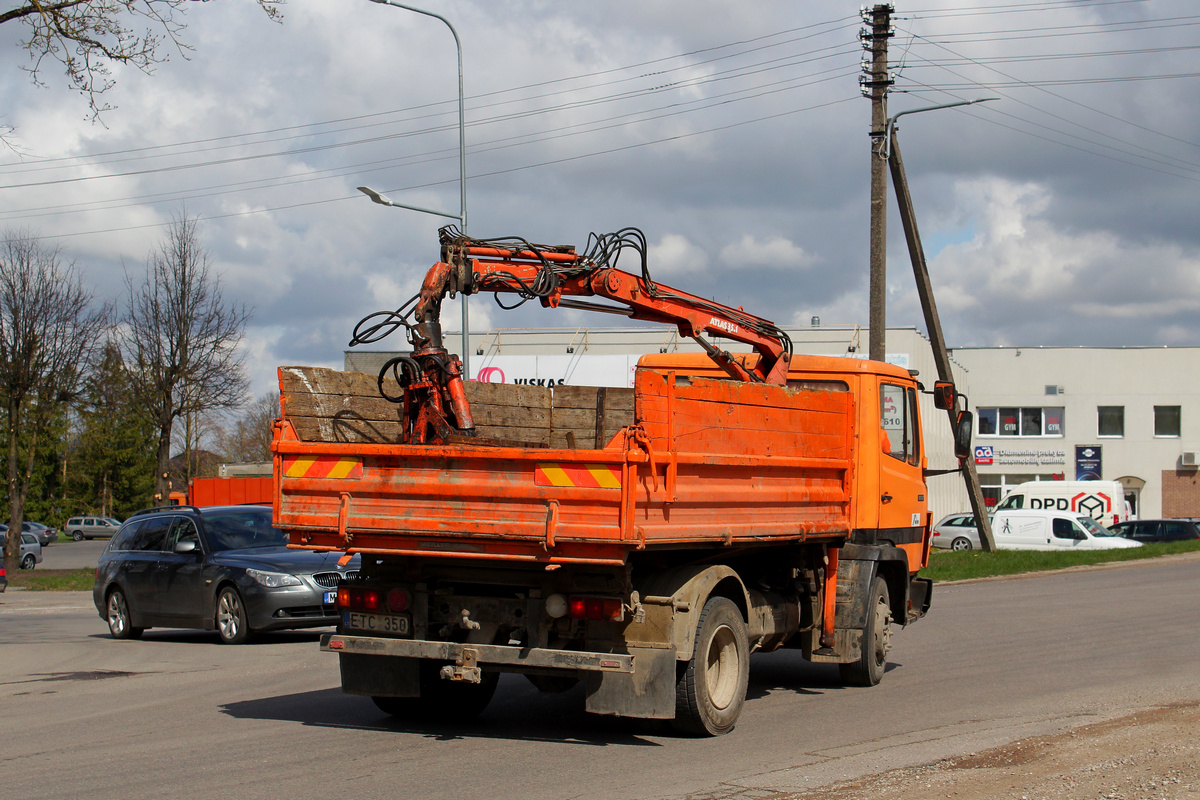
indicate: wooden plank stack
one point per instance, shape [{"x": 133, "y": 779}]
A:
[{"x": 331, "y": 406}]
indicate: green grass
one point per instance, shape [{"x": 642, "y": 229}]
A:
[
  {"x": 52, "y": 580},
  {"x": 945, "y": 565}
]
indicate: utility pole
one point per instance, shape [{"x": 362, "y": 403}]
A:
[
  {"x": 937, "y": 341},
  {"x": 875, "y": 82}
]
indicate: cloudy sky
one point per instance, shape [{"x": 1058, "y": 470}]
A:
[{"x": 734, "y": 134}]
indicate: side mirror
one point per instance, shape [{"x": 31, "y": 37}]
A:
[
  {"x": 943, "y": 395},
  {"x": 185, "y": 546},
  {"x": 963, "y": 429}
]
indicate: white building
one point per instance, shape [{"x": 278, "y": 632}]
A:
[{"x": 1130, "y": 414}]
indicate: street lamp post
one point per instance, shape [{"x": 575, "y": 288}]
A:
[{"x": 461, "y": 216}]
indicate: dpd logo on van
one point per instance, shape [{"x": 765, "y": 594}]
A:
[{"x": 1082, "y": 503}]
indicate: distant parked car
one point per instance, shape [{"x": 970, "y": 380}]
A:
[
  {"x": 80, "y": 528},
  {"x": 31, "y": 549},
  {"x": 1157, "y": 530},
  {"x": 44, "y": 533},
  {"x": 956, "y": 532}
]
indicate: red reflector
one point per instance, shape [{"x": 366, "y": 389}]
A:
[
  {"x": 336, "y": 644},
  {"x": 397, "y": 600}
]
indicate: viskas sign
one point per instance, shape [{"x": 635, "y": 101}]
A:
[{"x": 575, "y": 369}]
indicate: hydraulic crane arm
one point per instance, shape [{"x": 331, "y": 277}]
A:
[{"x": 554, "y": 275}]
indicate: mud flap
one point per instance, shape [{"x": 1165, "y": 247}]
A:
[
  {"x": 648, "y": 692},
  {"x": 853, "y": 588},
  {"x": 379, "y": 676}
]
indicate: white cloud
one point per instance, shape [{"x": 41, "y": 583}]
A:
[
  {"x": 675, "y": 256},
  {"x": 775, "y": 252}
]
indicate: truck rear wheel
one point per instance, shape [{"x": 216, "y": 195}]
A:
[
  {"x": 451, "y": 701},
  {"x": 711, "y": 689},
  {"x": 876, "y": 640}
]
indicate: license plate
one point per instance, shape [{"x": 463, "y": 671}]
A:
[
  {"x": 376, "y": 623},
  {"x": 330, "y": 598}
]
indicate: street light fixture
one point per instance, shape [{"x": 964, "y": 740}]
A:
[{"x": 461, "y": 216}]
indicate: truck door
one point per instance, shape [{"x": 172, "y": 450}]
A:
[{"x": 901, "y": 483}]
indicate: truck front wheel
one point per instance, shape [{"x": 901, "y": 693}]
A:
[
  {"x": 876, "y": 640},
  {"x": 711, "y": 688}
]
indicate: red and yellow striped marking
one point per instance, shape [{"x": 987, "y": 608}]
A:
[
  {"x": 322, "y": 467},
  {"x": 590, "y": 476}
]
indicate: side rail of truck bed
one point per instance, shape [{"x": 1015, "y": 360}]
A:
[{"x": 689, "y": 461}]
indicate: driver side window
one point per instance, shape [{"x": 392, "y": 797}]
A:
[
  {"x": 899, "y": 422},
  {"x": 182, "y": 530},
  {"x": 1065, "y": 529}
]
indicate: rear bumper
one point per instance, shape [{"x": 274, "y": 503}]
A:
[{"x": 511, "y": 658}]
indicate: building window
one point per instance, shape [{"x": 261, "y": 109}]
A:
[
  {"x": 1110, "y": 420},
  {"x": 1024, "y": 422},
  {"x": 1166, "y": 421}
]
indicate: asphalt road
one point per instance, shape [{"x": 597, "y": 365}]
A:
[
  {"x": 72, "y": 554},
  {"x": 177, "y": 714}
]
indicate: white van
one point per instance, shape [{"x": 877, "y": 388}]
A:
[
  {"x": 1053, "y": 530},
  {"x": 1103, "y": 500}
]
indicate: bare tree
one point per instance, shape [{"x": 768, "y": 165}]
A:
[
  {"x": 247, "y": 436},
  {"x": 88, "y": 36},
  {"x": 49, "y": 330},
  {"x": 181, "y": 338}
]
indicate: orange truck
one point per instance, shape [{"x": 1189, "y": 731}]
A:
[{"x": 643, "y": 541}]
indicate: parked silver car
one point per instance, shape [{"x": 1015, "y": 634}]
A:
[
  {"x": 80, "y": 528},
  {"x": 956, "y": 532},
  {"x": 44, "y": 533},
  {"x": 31, "y": 549}
]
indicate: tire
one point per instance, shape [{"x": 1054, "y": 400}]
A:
[
  {"x": 441, "y": 700},
  {"x": 28, "y": 562},
  {"x": 961, "y": 543},
  {"x": 77, "y": 536},
  {"x": 876, "y": 640},
  {"x": 711, "y": 688},
  {"x": 118, "y": 617},
  {"x": 232, "y": 626}
]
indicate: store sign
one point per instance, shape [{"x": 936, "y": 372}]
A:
[
  {"x": 1028, "y": 457},
  {"x": 1087, "y": 462},
  {"x": 983, "y": 454}
]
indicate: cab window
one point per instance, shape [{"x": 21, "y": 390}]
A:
[
  {"x": 899, "y": 421},
  {"x": 1013, "y": 501},
  {"x": 1065, "y": 529}
]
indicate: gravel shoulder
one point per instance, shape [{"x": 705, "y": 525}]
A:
[{"x": 1149, "y": 755}]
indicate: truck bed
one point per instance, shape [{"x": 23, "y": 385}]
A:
[{"x": 563, "y": 474}]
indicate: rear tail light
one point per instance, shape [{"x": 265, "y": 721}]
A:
[
  {"x": 357, "y": 598},
  {"x": 609, "y": 609}
]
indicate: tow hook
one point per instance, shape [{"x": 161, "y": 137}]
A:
[
  {"x": 464, "y": 669},
  {"x": 466, "y": 623}
]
